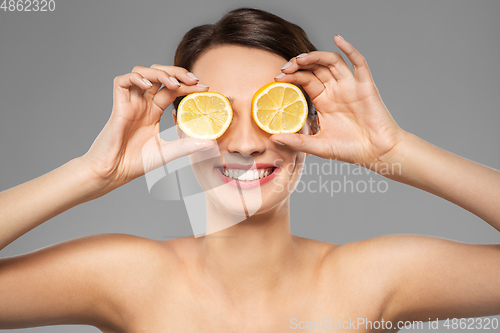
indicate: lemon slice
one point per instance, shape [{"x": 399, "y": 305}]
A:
[
  {"x": 279, "y": 107},
  {"x": 204, "y": 115}
]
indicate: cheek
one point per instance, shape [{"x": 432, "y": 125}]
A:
[
  {"x": 293, "y": 170},
  {"x": 300, "y": 160},
  {"x": 200, "y": 164}
]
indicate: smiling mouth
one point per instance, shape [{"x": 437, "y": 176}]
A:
[{"x": 246, "y": 175}]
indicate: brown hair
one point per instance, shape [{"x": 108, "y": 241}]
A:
[{"x": 245, "y": 27}]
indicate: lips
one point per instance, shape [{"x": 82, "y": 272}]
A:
[{"x": 246, "y": 172}]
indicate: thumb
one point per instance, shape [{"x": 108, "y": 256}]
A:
[
  {"x": 185, "y": 146},
  {"x": 157, "y": 152},
  {"x": 301, "y": 142}
]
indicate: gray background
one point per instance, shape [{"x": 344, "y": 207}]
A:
[{"x": 434, "y": 62}]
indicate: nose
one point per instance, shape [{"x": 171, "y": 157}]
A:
[{"x": 244, "y": 136}]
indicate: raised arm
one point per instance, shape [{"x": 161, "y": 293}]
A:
[
  {"x": 28, "y": 205},
  {"x": 468, "y": 184},
  {"x": 426, "y": 277},
  {"x": 356, "y": 127},
  {"x": 120, "y": 153},
  {"x": 74, "y": 282}
]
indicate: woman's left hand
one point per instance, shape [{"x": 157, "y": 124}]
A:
[{"x": 356, "y": 127}]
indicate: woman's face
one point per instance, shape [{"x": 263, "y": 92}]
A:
[{"x": 238, "y": 72}]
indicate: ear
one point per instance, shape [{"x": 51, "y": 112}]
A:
[
  {"x": 306, "y": 129},
  {"x": 312, "y": 124}
]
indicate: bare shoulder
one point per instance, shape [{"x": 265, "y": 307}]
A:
[
  {"x": 366, "y": 271},
  {"x": 106, "y": 250},
  {"x": 91, "y": 280},
  {"x": 390, "y": 250},
  {"x": 377, "y": 250},
  {"x": 110, "y": 249},
  {"x": 130, "y": 262},
  {"x": 120, "y": 259},
  {"x": 390, "y": 270},
  {"x": 378, "y": 257},
  {"x": 140, "y": 273}
]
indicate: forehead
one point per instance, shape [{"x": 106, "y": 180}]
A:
[{"x": 237, "y": 71}]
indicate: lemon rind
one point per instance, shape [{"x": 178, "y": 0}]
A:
[{"x": 264, "y": 90}]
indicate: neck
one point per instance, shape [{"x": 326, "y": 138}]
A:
[{"x": 256, "y": 252}]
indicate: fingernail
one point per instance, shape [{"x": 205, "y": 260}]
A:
[
  {"x": 302, "y": 55},
  {"x": 174, "y": 80},
  {"x": 191, "y": 75},
  {"x": 280, "y": 143},
  {"x": 199, "y": 84},
  {"x": 340, "y": 36},
  {"x": 146, "y": 81},
  {"x": 286, "y": 65},
  {"x": 214, "y": 144},
  {"x": 280, "y": 75}
]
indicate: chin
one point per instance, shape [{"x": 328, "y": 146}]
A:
[{"x": 250, "y": 202}]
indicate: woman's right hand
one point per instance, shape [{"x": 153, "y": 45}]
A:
[{"x": 119, "y": 155}]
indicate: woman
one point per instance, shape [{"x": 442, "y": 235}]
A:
[{"x": 254, "y": 276}]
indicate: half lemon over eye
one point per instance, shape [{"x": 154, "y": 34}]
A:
[
  {"x": 279, "y": 107},
  {"x": 204, "y": 115}
]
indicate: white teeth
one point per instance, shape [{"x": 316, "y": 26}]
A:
[
  {"x": 247, "y": 175},
  {"x": 242, "y": 175}
]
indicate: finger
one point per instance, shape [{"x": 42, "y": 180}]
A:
[
  {"x": 359, "y": 65},
  {"x": 164, "y": 97},
  {"x": 158, "y": 77},
  {"x": 182, "y": 147},
  {"x": 123, "y": 84},
  {"x": 322, "y": 72},
  {"x": 331, "y": 60},
  {"x": 306, "y": 143},
  {"x": 157, "y": 152},
  {"x": 311, "y": 84},
  {"x": 180, "y": 73}
]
